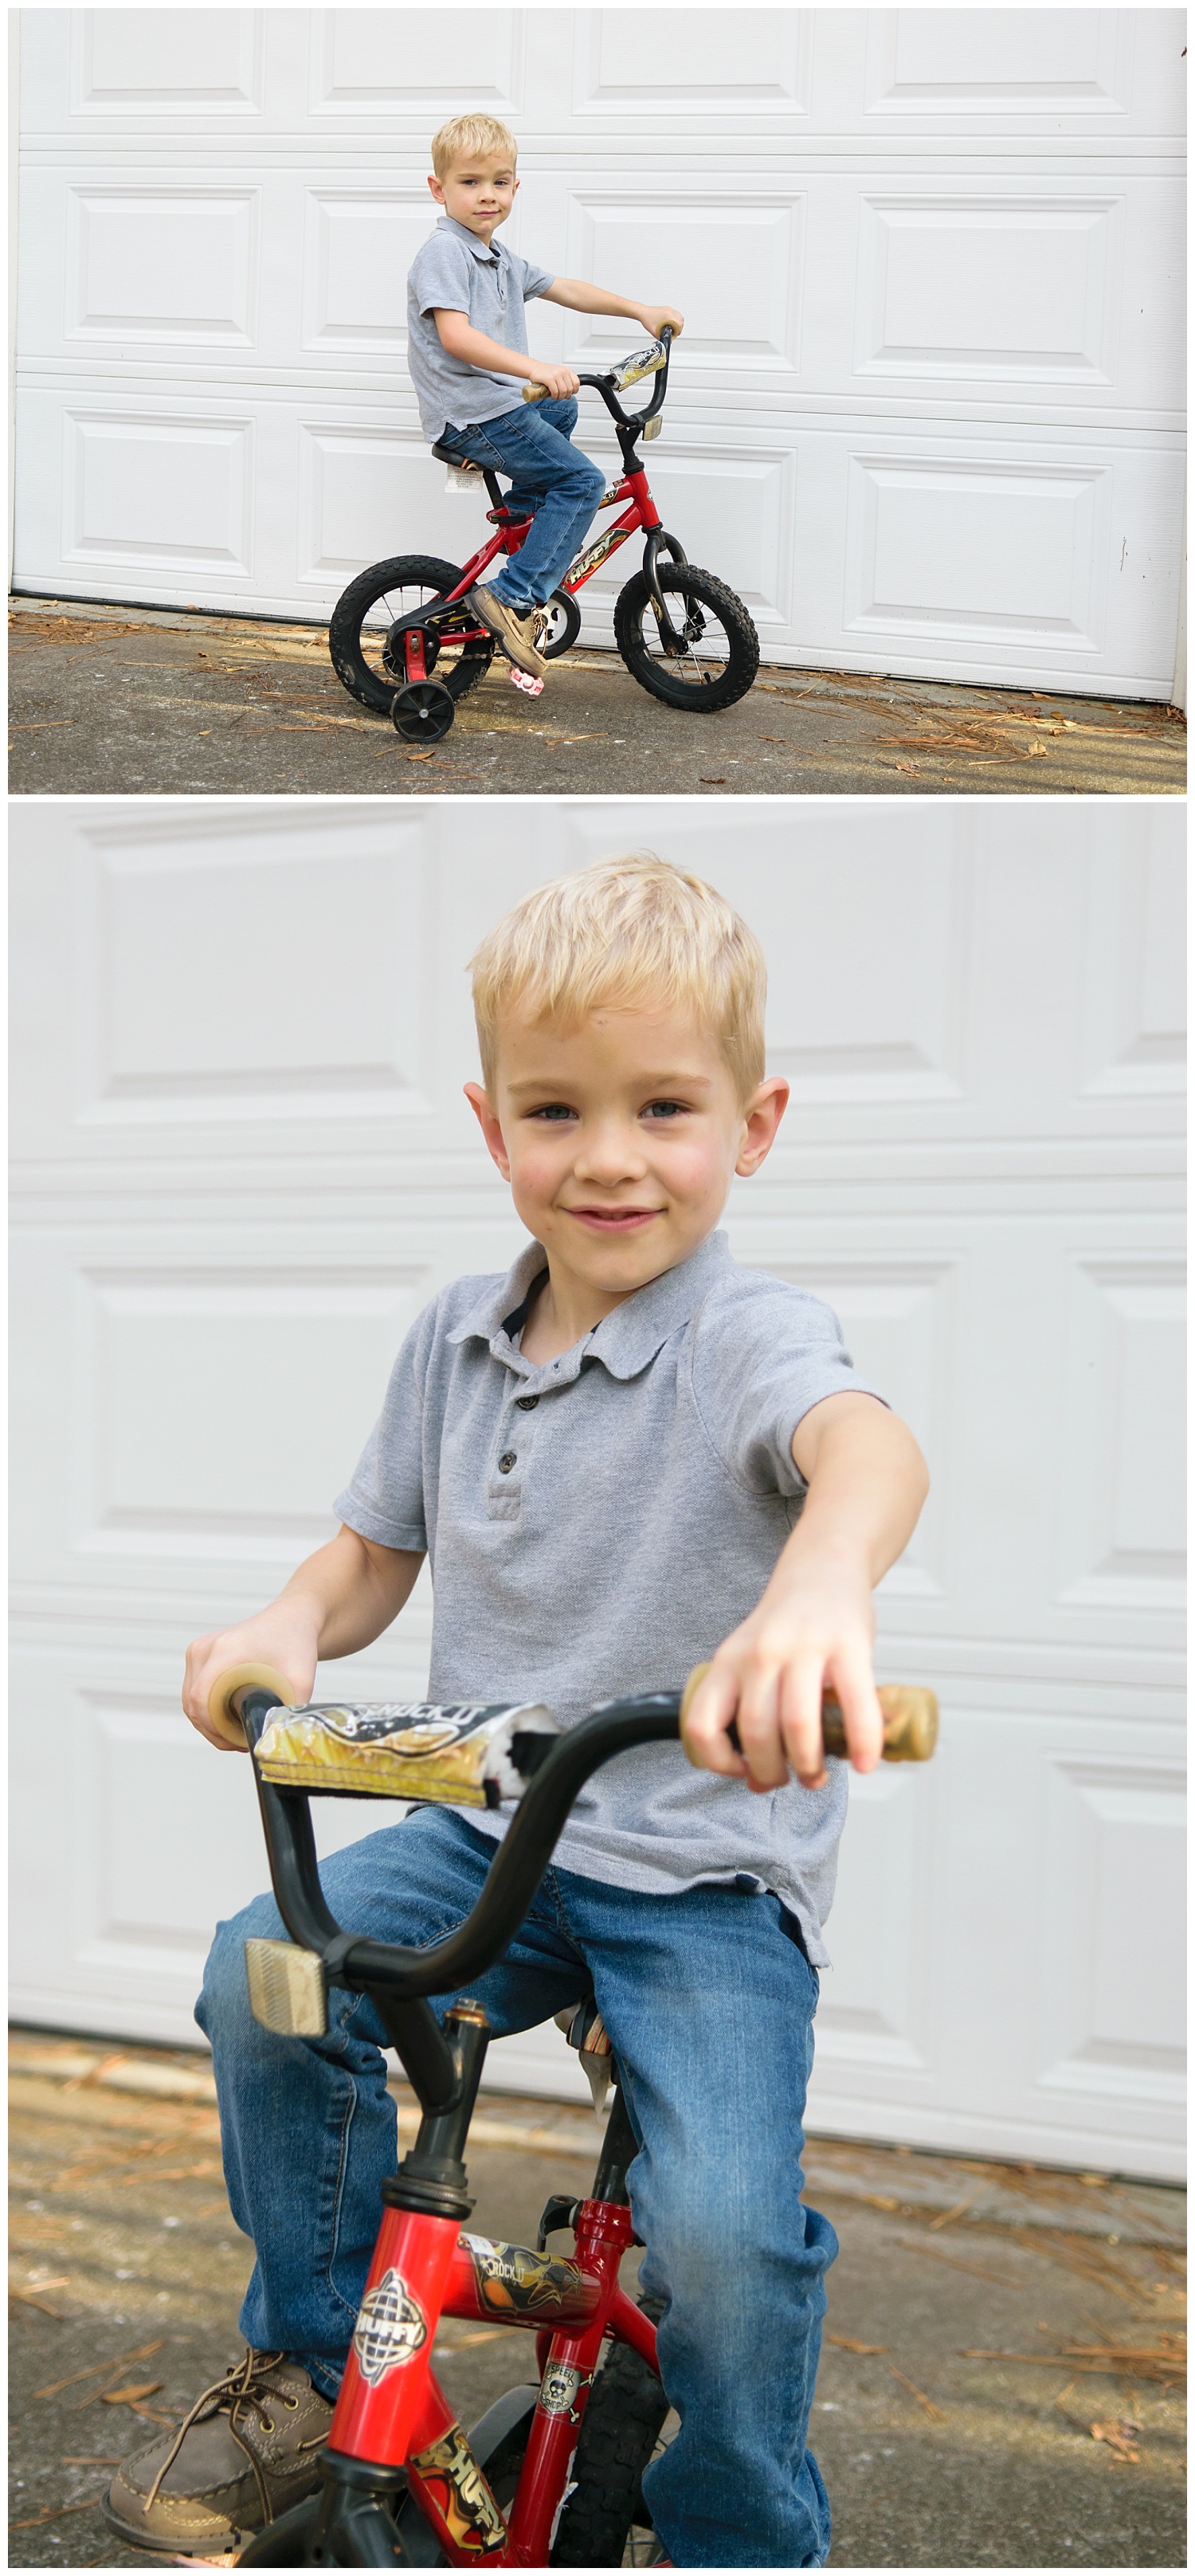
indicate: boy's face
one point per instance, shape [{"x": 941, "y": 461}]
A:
[
  {"x": 478, "y": 193},
  {"x": 619, "y": 1139}
]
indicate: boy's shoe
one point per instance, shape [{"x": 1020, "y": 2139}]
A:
[
  {"x": 515, "y": 634},
  {"x": 248, "y": 2450}
]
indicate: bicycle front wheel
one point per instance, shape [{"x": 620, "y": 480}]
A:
[
  {"x": 370, "y": 664},
  {"x": 721, "y": 655}
]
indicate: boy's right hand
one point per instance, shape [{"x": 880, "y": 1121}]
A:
[
  {"x": 559, "y": 382},
  {"x": 286, "y": 1636}
]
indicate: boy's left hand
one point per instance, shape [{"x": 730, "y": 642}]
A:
[
  {"x": 654, "y": 317},
  {"x": 768, "y": 1679}
]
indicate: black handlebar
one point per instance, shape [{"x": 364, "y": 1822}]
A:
[
  {"x": 604, "y": 385},
  {"x": 514, "y": 1875}
]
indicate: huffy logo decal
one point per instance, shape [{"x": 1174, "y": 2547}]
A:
[{"x": 390, "y": 2328}]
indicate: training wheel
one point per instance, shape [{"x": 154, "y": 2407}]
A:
[{"x": 422, "y": 712}]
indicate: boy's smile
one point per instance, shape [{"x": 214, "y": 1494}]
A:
[
  {"x": 619, "y": 1138},
  {"x": 478, "y": 193}
]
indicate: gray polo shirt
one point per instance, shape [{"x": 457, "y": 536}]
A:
[
  {"x": 455, "y": 273},
  {"x": 596, "y": 1526}
]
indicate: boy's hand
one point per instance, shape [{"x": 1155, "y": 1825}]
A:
[
  {"x": 768, "y": 1678},
  {"x": 559, "y": 381},
  {"x": 654, "y": 317},
  {"x": 285, "y": 1635}
]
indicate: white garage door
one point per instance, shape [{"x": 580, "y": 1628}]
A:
[
  {"x": 245, "y": 1163},
  {"x": 926, "y": 410}
]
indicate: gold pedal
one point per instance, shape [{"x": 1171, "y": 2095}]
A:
[{"x": 286, "y": 1989}]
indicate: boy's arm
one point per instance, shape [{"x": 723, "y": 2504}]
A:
[
  {"x": 459, "y": 338},
  {"x": 814, "y": 1626},
  {"x": 580, "y": 298},
  {"x": 337, "y": 1602}
]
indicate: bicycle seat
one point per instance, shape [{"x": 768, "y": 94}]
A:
[{"x": 451, "y": 456}]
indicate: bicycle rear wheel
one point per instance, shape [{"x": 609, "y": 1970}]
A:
[
  {"x": 370, "y": 668},
  {"x": 721, "y": 654}
]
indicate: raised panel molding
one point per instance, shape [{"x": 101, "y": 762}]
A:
[
  {"x": 898, "y": 1322},
  {"x": 218, "y": 1410},
  {"x": 871, "y": 2016},
  {"x": 1046, "y": 62},
  {"x": 744, "y": 309},
  {"x": 886, "y": 1021},
  {"x": 960, "y": 549},
  {"x": 1121, "y": 1472},
  {"x": 359, "y": 246},
  {"x": 1134, "y": 1037},
  {"x": 149, "y": 62},
  {"x": 745, "y": 59},
  {"x": 316, "y": 959},
  {"x": 146, "y": 492},
  {"x": 1006, "y": 288},
  {"x": 146, "y": 1901},
  {"x": 1112, "y": 2015},
  {"x": 417, "y": 62},
  {"x": 163, "y": 264}
]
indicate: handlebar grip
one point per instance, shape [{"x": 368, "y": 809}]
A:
[
  {"x": 239, "y": 1677},
  {"x": 910, "y": 1719},
  {"x": 534, "y": 393}
]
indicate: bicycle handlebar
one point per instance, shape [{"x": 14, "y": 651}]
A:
[
  {"x": 514, "y": 1875},
  {"x": 606, "y": 386}
]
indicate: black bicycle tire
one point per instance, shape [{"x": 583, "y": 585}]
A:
[
  {"x": 563, "y": 599},
  {"x": 619, "y": 2431},
  {"x": 277, "y": 2544},
  {"x": 426, "y": 572},
  {"x": 654, "y": 675}
]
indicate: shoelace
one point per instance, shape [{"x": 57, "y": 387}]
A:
[{"x": 238, "y": 2387}]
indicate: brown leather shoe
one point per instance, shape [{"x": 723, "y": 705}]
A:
[
  {"x": 248, "y": 2450},
  {"x": 515, "y": 634}
]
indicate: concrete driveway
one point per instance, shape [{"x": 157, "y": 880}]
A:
[
  {"x": 115, "y": 701},
  {"x": 999, "y": 2385}
]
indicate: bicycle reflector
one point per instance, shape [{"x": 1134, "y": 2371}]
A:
[
  {"x": 286, "y": 1989},
  {"x": 642, "y": 362}
]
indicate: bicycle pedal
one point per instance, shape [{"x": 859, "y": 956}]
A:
[{"x": 527, "y": 682}]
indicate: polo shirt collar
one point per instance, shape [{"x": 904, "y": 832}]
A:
[
  {"x": 449, "y": 224},
  {"x": 625, "y": 1341}
]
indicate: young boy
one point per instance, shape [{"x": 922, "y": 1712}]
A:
[
  {"x": 467, "y": 351},
  {"x": 625, "y": 1457}
]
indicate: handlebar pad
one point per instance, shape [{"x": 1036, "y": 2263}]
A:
[
  {"x": 239, "y": 1677},
  {"x": 910, "y": 1720}
]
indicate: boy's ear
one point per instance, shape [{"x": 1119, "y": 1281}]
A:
[
  {"x": 761, "y": 1118},
  {"x": 479, "y": 1103},
  {"x": 436, "y": 187}
]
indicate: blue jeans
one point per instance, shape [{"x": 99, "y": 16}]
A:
[
  {"x": 551, "y": 479},
  {"x": 709, "y": 2002}
]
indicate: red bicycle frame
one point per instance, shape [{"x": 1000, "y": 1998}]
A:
[
  {"x": 392, "y": 2411},
  {"x": 509, "y": 535}
]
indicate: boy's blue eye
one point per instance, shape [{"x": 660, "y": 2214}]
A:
[
  {"x": 555, "y": 1109},
  {"x": 665, "y": 1109}
]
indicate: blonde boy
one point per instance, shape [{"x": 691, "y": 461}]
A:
[
  {"x": 467, "y": 352},
  {"x": 624, "y": 1457}
]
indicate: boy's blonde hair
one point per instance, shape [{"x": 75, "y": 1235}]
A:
[
  {"x": 465, "y": 135},
  {"x": 626, "y": 931}
]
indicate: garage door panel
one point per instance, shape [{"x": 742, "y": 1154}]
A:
[
  {"x": 145, "y": 492},
  {"x": 369, "y": 494},
  {"x": 731, "y": 512},
  {"x": 173, "y": 265},
  {"x": 736, "y": 265},
  {"x": 371, "y": 62},
  {"x": 955, "y": 550},
  {"x": 962, "y": 287},
  {"x": 1022, "y": 62},
  {"x": 748, "y": 58},
  {"x": 358, "y": 248},
  {"x": 148, "y": 63}
]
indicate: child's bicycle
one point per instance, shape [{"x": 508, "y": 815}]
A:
[
  {"x": 403, "y": 644},
  {"x": 551, "y": 2475}
]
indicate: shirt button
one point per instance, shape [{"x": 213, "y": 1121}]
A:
[
  {"x": 526, "y": 1403},
  {"x": 507, "y": 1460}
]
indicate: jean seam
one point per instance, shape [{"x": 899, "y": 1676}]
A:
[{"x": 338, "y": 2186}]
